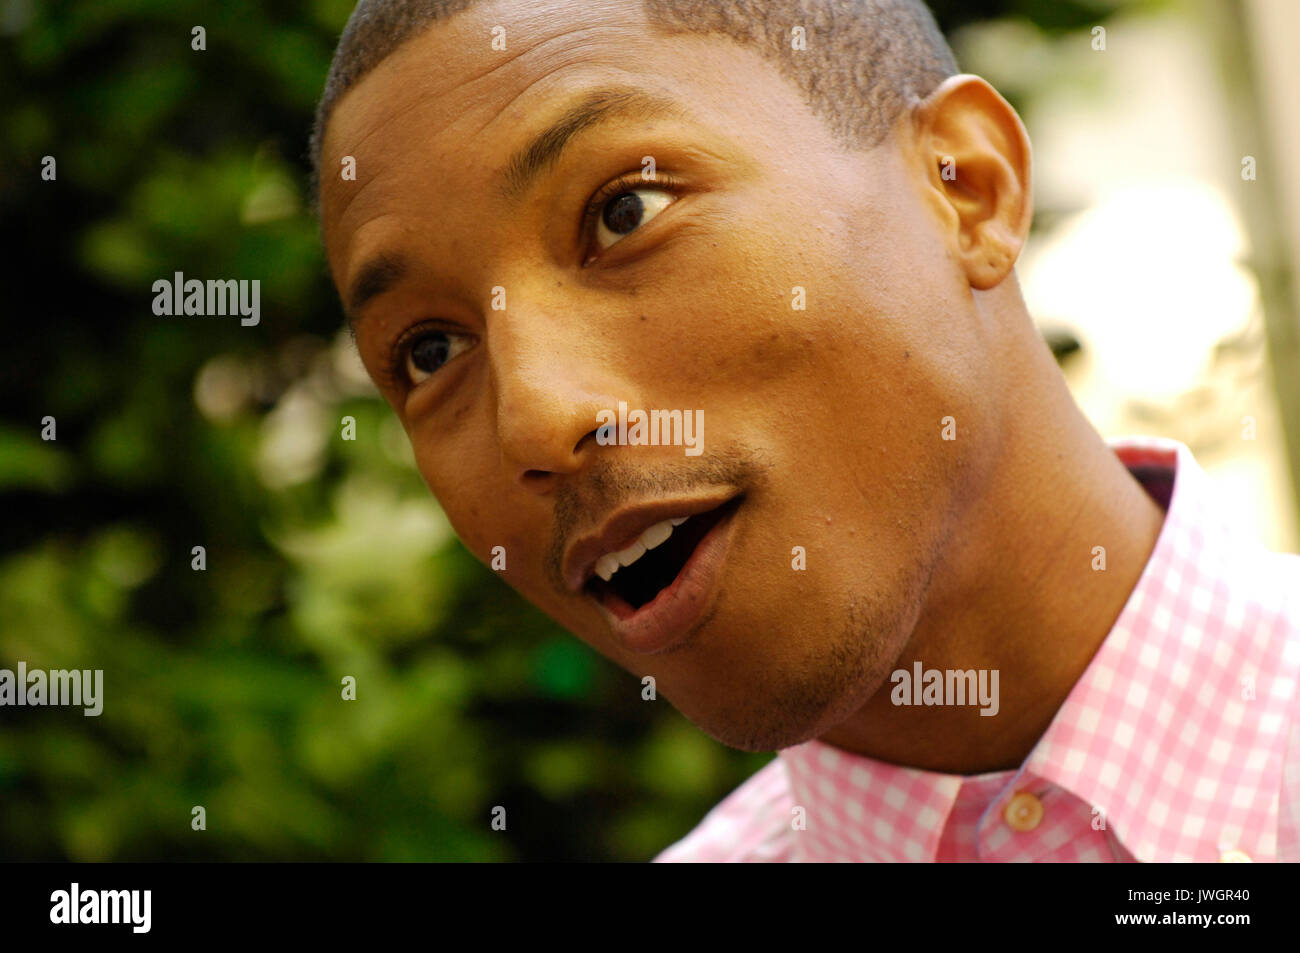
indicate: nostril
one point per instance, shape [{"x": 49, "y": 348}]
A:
[{"x": 577, "y": 448}]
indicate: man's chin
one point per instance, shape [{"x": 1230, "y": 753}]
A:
[
  {"x": 764, "y": 728},
  {"x": 776, "y": 716}
]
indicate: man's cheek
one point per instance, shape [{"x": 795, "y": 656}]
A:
[
  {"x": 517, "y": 557},
  {"x": 489, "y": 544},
  {"x": 471, "y": 516}
]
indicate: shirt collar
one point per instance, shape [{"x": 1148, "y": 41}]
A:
[{"x": 1175, "y": 731}]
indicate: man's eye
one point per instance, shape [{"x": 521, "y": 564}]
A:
[
  {"x": 627, "y": 211},
  {"x": 427, "y": 353}
]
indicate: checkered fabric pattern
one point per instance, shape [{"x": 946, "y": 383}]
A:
[{"x": 1180, "y": 742}]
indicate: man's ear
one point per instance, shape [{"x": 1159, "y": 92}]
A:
[{"x": 974, "y": 154}]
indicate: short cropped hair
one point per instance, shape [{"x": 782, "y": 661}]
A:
[{"x": 858, "y": 63}]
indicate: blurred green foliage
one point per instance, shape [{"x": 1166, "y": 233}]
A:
[{"x": 324, "y": 557}]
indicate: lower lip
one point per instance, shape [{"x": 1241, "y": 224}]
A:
[{"x": 667, "y": 619}]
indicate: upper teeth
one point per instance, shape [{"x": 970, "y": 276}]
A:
[{"x": 611, "y": 563}]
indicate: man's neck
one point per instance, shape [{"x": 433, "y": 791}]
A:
[{"x": 1017, "y": 591}]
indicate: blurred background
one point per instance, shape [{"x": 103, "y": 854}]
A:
[{"x": 1162, "y": 269}]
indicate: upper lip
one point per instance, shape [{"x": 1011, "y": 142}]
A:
[{"x": 624, "y": 526}]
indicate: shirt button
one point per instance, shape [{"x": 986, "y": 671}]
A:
[
  {"x": 1023, "y": 812},
  {"x": 1235, "y": 857}
]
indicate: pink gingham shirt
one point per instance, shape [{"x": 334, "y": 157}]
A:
[{"x": 1180, "y": 742}]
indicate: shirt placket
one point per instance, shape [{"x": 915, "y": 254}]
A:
[{"x": 1032, "y": 820}]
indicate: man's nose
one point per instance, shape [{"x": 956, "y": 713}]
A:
[{"x": 550, "y": 380}]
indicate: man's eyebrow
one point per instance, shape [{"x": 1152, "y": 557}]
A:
[
  {"x": 596, "y": 107},
  {"x": 382, "y": 272},
  {"x": 375, "y": 277}
]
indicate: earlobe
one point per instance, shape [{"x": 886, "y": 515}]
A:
[{"x": 976, "y": 157}]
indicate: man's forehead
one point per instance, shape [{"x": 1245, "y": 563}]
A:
[
  {"x": 447, "y": 113},
  {"x": 454, "y": 70},
  {"x": 447, "y": 105},
  {"x": 448, "y": 96}
]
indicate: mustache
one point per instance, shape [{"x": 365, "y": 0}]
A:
[{"x": 611, "y": 485}]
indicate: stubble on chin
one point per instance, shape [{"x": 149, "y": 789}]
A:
[{"x": 791, "y": 705}]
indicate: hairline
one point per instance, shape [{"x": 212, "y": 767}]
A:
[{"x": 659, "y": 16}]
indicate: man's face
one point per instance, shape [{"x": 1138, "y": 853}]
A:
[{"x": 803, "y": 297}]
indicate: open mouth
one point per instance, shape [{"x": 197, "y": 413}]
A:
[{"x": 635, "y": 580}]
